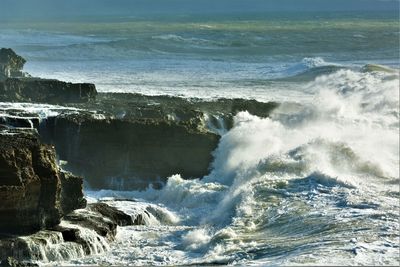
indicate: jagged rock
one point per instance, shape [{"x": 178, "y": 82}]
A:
[
  {"x": 136, "y": 140},
  {"x": 12, "y": 248},
  {"x": 103, "y": 226},
  {"x": 19, "y": 122},
  {"x": 80, "y": 233},
  {"x": 30, "y": 185},
  {"x": 11, "y": 64},
  {"x": 45, "y": 91},
  {"x": 71, "y": 192},
  {"x": 16, "y": 86},
  {"x": 12, "y": 262},
  {"x": 121, "y": 218}
]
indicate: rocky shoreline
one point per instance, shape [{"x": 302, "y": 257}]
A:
[
  {"x": 43, "y": 209},
  {"x": 105, "y": 140}
]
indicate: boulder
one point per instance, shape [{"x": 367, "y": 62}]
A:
[{"x": 119, "y": 217}]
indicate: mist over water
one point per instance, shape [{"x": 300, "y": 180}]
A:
[{"x": 315, "y": 183}]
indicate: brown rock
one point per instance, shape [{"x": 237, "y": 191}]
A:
[
  {"x": 30, "y": 185},
  {"x": 45, "y": 91}
]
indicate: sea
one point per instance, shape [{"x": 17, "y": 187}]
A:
[{"x": 316, "y": 183}]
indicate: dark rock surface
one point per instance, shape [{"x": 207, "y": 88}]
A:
[
  {"x": 11, "y": 64},
  {"x": 30, "y": 185},
  {"x": 129, "y": 141},
  {"x": 126, "y": 154},
  {"x": 80, "y": 233},
  {"x": 115, "y": 141},
  {"x": 121, "y": 218},
  {"x": 45, "y": 91},
  {"x": 125, "y": 141},
  {"x": 17, "y": 86},
  {"x": 44, "y": 216},
  {"x": 71, "y": 192}
]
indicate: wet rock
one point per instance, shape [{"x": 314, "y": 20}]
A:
[
  {"x": 117, "y": 216},
  {"x": 17, "y": 86},
  {"x": 30, "y": 184},
  {"x": 103, "y": 226},
  {"x": 19, "y": 122},
  {"x": 71, "y": 192},
  {"x": 11, "y": 64},
  {"x": 133, "y": 140},
  {"x": 12, "y": 262},
  {"x": 80, "y": 233},
  {"x": 45, "y": 91},
  {"x": 129, "y": 154},
  {"x": 12, "y": 248}
]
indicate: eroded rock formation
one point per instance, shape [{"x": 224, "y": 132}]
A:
[
  {"x": 33, "y": 189},
  {"x": 43, "y": 213},
  {"x": 11, "y": 64},
  {"x": 45, "y": 91},
  {"x": 80, "y": 233},
  {"x": 129, "y": 154},
  {"x": 17, "y": 86},
  {"x": 114, "y": 141}
]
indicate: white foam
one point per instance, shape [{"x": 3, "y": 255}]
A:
[{"x": 306, "y": 169}]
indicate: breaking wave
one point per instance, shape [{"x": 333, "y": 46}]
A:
[{"x": 312, "y": 184}]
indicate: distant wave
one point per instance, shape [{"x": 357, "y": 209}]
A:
[{"x": 308, "y": 69}]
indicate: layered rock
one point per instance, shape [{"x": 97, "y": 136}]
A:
[
  {"x": 129, "y": 141},
  {"x": 43, "y": 213},
  {"x": 82, "y": 232},
  {"x": 33, "y": 189},
  {"x": 129, "y": 154},
  {"x": 126, "y": 141},
  {"x": 45, "y": 91},
  {"x": 117, "y": 141},
  {"x": 17, "y": 86}
]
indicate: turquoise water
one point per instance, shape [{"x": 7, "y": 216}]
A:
[{"x": 202, "y": 55}]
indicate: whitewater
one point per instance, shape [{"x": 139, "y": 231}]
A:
[{"x": 315, "y": 183}]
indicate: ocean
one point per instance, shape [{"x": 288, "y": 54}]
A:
[{"x": 316, "y": 183}]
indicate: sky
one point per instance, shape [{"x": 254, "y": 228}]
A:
[{"x": 51, "y": 9}]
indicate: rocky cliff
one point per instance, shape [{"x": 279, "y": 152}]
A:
[
  {"x": 114, "y": 141},
  {"x": 17, "y": 86},
  {"x": 129, "y": 141},
  {"x": 43, "y": 213},
  {"x": 128, "y": 154},
  {"x": 124, "y": 141},
  {"x": 45, "y": 91},
  {"x": 35, "y": 193}
]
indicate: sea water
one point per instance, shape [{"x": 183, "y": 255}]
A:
[{"x": 315, "y": 183}]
